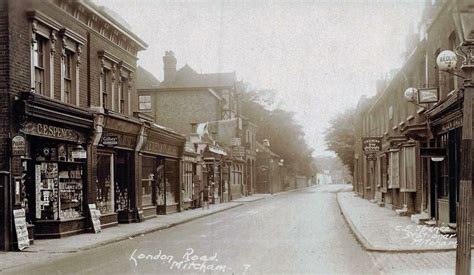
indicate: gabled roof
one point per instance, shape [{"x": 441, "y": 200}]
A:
[
  {"x": 188, "y": 77},
  {"x": 146, "y": 80}
]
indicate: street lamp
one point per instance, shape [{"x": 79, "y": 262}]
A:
[{"x": 463, "y": 16}]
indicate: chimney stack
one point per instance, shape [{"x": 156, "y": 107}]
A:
[{"x": 169, "y": 62}]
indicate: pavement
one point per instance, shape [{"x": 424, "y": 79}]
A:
[
  {"x": 109, "y": 235},
  {"x": 380, "y": 229},
  {"x": 255, "y": 197},
  {"x": 299, "y": 232},
  {"x": 50, "y": 248}
]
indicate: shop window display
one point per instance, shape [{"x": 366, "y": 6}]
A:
[
  {"x": 167, "y": 182},
  {"x": 148, "y": 178},
  {"x": 171, "y": 179},
  {"x": 58, "y": 182},
  {"x": 122, "y": 195},
  {"x": 160, "y": 181},
  {"x": 105, "y": 188}
]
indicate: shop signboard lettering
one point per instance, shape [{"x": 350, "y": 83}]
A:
[
  {"x": 21, "y": 229},
  {"x": 452, "y": 124},
  {"x": 95, "y": 218},
  {"x": 161, "y": 148},
  {"x": 79, "y": 154},
  {"x": 109, "y": 141},
  {"x": 18, "y": 145},
  {"x": 118, "y": 140},
  {"x": 371, "y": 144},
  {"x": 50, "y": 131},
  {"x": 428, "y": 95},
  {"x": 371, "y": 156}
]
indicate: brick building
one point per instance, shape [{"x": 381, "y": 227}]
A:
[
  {"x": 404, "y": 175},
  {"x": 69, "y": 135},
  {"x": 185, "y": 99}
]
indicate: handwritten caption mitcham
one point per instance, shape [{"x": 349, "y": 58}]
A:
[{"x": 189, "y": 261}]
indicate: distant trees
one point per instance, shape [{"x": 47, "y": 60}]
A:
[
  {"x": 340, "y": 137},
  {"x": 286, "y": 136}
]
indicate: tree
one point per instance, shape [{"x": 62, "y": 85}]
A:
[
  {"x": 340, "y": 137},
  {"x": 286, "y": 136}
]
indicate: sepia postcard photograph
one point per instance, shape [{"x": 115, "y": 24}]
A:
[{"x": 236, "y": 137}]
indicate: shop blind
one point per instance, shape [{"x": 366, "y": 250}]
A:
[
  {"x": 402, "y": 169},
  {"x": 383, "y": 164},
  {"x": 394, "y": 170},
  {"x": 378, "y": 172},
  {"x": 410, "y": 169}
]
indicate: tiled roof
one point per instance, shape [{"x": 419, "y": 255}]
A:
[
  {"x": 146, "y": 80},
  {"x": 187, "y": 77}
]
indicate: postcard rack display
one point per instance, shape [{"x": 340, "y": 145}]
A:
[{"x": 59, "y": 187}]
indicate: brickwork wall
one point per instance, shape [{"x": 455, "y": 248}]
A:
[
  {"x": 177, "y": 109},
  {"x": 4, "y": 85}
]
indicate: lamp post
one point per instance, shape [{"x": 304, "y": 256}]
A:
[{"x": 463, "y": 16}]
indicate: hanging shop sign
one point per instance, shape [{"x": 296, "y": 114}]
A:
[
  {"x": 217, "y": 150},
  {"x": 95, "y": 217},
  {"x": 109, "y": 141},
  {"x": 371, "y": 144},
  {"x": 21, "y": 229},
  {"x": 18, "y": 145},
  {"x": 428, "y": 95},
  {"x": 50, "y": 131}
]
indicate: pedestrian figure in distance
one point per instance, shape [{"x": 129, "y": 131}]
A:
[{"x": 205, "y": 198}]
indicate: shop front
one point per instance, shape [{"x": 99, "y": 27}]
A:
[
  {"x": 236, "y": 181},
  {"x": 446, "y": 125},
  {"x": 159, "y": 171},
  {"x": 214, "y": 159},
  {"x": 50, "y": 154},
  {"x": 189, "y": 194},
  {"x": 115, "y": 191}
]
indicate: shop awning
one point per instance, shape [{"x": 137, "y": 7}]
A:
[{"x": 217, "y": 150}]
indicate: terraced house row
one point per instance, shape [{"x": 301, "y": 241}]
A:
[
  {"x": 82, "y": 126},
  {"x": 417, "y": 169}
]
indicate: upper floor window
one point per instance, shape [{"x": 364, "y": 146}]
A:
[
  {"x": 123, "y": 94},
  {"x": 144, "y": 102},
  {"x": 39, "y": 63},
  {"x": 105, "y": 88},
  {"x": 67, "y": 69}
]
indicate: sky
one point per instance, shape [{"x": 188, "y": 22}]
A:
[{"x": 320, "y": 56}]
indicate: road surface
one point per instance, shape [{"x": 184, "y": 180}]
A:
[{"x": 296, "y": 232}]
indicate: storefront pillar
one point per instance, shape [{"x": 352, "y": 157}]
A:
[{"x": 5, "y": 210}]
